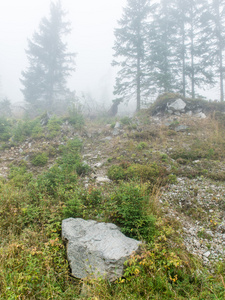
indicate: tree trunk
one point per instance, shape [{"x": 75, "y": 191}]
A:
[
  {"x": 220, "y": 48},
  {"x": 183, "y": 60},
  {"x": 138, "y": 84},
  {"x": 192, "y": 56}
]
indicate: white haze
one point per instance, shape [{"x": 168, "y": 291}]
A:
[{"x": 92, "y": 22}]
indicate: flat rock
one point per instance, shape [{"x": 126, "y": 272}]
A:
[{"x": 96, "y": 249}]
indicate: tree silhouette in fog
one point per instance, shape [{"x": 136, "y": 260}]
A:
[{"x": 50, "y": 64}]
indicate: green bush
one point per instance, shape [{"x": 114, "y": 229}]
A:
[
  {"x": 24, "y": 128},
  {"x": 142, "y": 145},
  {"x": 75, "y": 118},
  {"x": 19, "y": 175},
  {"x": 40, "y": 159},
  {"x": 129, "y": 203},
  {"x": 85, "y": 203},
  {"x": 74, "y": 206},
  {"x": 149, "y": 172},
  {"x": 5, "y": 129},
  {"x": 72, "y": 146},
  {"x": 126, "y": 121},
  {"x": 116, "y": 173},
  {"x": 54, "y": 126},
  {"x": 54, "y": 179},
  {"x": 37, "y": 131},
  {"x": 63, "y": 175},
  {"x": 171, "y": 178}
]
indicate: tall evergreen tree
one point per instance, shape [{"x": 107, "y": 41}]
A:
[
  {"x": 181, "y": 50},
  {"x": 163, "y": 44},
  {"x": 191, "y": 45},
  {"x": 130, "y": 51},
  {"x": 199, "y": 67},
  {"x": 218, "y": 39},
  {"x": 50, "y": 64}
]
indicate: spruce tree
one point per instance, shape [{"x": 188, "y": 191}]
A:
[
  {"x": 163, "y": 47},
  {"x": 50, "y": 64},
  {"x": 198, "y": 67},
  {"x": 217, "y": 37},
  {"x": 130, "y": 51}
]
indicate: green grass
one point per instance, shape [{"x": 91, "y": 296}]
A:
[{"x": 33, "y": 262}]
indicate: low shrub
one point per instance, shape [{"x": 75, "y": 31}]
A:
[
  {"x": 116, "y": 173},
  {"x": 54, "y": 126},
  {"x": 5, "y": 129},
  {"x": 24, "y": 128},
  {"x": 144, "y": 172},
  {"x": 19, "y": 176},
  {"x": 128, "y": 210},
  {"x": 152, "y": 172},
  {"x": 37, "y": 131},
  {"x": 40, "y": 159},
  {"x": 142, "y": 145},
  {"x": 75, "y": 117},
  {"x": 126, "y": 121}
]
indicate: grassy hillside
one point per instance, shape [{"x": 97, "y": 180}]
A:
[{"x": 166, "y": 188}]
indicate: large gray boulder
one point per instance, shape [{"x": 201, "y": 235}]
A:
[
  {"x": 96, "y": 249},
  {"x": 178, "y": 105}
]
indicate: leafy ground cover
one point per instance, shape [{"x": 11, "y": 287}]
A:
[{"x": 55, "y": 176}]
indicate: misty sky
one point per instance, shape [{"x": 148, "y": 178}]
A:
[{"x": 92, "y": 22}]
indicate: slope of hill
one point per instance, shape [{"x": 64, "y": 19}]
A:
[{"x": 173, "y": 163}]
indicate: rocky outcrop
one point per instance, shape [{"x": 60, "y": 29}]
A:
[
  {"x": 175, "y": 104},
  {"x": 96, "y": 249}
]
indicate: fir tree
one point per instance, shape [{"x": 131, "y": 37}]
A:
[
  {"x": 163, "y": 52},
  {"x": 50, "y": 64},
  {"x": 130, "y": 51},
  {"x": 218, "y": 39},
  {"x": 198, "y": 67}
]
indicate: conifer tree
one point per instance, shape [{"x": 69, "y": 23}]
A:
[
  {"x": 130, "y": 51},
  {"x": 198, "y": 63},
  {"x": 50, "y": 64},
  {"x": 163, "y": 43},
  {"x": 217, "y": 38}
]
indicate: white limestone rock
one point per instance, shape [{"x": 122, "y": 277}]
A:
[{"x": 96, "y": 249}]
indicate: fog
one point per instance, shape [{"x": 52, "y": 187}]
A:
[{"x": 92, "y": 37}]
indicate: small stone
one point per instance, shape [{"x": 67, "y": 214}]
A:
[
  {"x": 117, "y": 125},
  {"x": 98, "y": 165},
  {"x": 207, "y": 254},
  {"x": 201, "y": 115},
  {"x": 103, "y": 179}
]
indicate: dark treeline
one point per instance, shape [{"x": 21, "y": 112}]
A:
[{"x": 170, "y": 46}]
